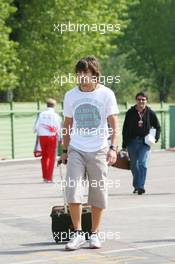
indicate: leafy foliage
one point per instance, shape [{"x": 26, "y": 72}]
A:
[
  {"x": 46, "y": 53},
  {"x": 34, "y": 53},
  {"x": 8, "y": 56},
  {"x": 148, "y": 41}
]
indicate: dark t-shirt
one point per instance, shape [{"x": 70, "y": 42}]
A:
[{"x": 139, "y": 130}]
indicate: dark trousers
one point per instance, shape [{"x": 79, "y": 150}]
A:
[{"x": 138, "y": 153}]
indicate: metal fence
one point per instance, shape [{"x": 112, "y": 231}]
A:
[{"x": 17, "y": 120}]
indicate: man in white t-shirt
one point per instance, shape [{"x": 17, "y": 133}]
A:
[
  {"x": 47, "y": 128},
  {"x": 88, "y": 109}
]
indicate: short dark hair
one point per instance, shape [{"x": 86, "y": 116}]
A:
[
  {"x": 88, "y": 63},
  {"x": 143, "y": 94}
]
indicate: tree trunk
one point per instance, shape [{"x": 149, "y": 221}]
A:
[{"x": 164, "y": 88}]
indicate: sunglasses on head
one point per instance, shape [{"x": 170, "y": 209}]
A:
[{"x": 141, "y": 99}]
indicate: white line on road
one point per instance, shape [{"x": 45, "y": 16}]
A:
[
  {"x": 137, "y": 248},
  {"x": 31, "y": 261},
  {"x": 103, "y": 252}
]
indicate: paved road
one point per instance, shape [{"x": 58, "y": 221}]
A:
[{"x": 136, "y": 229}]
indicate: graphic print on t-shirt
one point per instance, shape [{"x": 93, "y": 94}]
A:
[{"x": 87, "y": 116}]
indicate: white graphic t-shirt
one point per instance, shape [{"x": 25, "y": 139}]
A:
[{"x": 89, "y": 111}]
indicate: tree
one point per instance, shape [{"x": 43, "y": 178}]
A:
[
  {"x": 148, "y": 41},
  {"x": 129, "y": 84},
  {"x": 45, "y": 52},
  {"x": 8, "y": 56}
]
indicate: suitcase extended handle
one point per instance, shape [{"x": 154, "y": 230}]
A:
[{"x": 63, "y": 189}]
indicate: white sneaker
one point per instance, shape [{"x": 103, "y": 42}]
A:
[
  {"x": 94, "y": 241},
  {"x": 76, "y": 241}
]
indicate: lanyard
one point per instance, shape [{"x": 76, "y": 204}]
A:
[
  {"x": 140, "y": 122},
  {"x": 141, "y": 114}
]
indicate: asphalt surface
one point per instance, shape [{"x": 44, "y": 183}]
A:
[{"x": 135, "y": 228}]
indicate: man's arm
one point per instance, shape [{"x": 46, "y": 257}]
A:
[
  {"x": 68, "y": 122},
  {"x": 125, "y": 132},
  {"x": 113, "y": 122},
  {"x": 36, "y": 125},
  {"x": 156, "y": 125}
]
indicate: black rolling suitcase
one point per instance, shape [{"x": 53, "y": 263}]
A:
[{"x": 62, "y": 226}]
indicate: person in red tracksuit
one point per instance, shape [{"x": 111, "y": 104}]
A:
[{"x": 47, "y": 128}]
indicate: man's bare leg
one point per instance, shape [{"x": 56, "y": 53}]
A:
[
  {"x": 76, "y": 211},
  {"x": 96, "y": 218}
]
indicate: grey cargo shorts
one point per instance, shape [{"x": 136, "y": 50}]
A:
[{"x": 94, "y": 165}]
